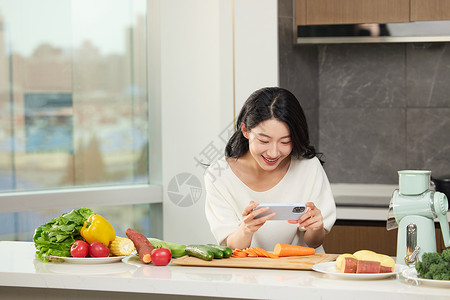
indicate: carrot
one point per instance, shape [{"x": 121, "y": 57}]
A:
[
  {"x": 251, "y": 252},
  {"x": 239, "y": 253},
  {"x": 260, "y": 252},
  {"x": 257, "y": 251},
  {"x": 267, "y": 254},
  {"x": 142, "y": 245},
  {"x": 292, "y": 250}
]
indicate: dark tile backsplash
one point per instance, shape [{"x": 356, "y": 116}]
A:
[
  {"x": 428, "y": 139},
  {"x": 362, "y": 145},
  {"x": 373, "y": 109},
  {"x": 428, "y": 75},
  {"x": 361, "y": 75}
]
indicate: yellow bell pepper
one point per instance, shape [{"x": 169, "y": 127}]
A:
[{"x": 96, "y": 228}]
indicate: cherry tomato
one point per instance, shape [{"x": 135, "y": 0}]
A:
[
  {"x": 97, "y": 249},
  {"x": 79, "y": 249},
  {"x": 161, "y": 256}
]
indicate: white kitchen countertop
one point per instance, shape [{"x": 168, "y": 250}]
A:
[{"x": 19, "y": 268}]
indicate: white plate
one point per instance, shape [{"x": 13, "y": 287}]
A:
[
  {"x": 119, "y": 269},
  {"x": 330, "y": 269},
  {"x": 87, "y": 260},
  {"x": 411, "y": 276}
]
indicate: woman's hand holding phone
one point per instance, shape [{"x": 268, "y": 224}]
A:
[
  {"x": 251, "y": 221},
  {"x": 312, "y": 222},
  {"x": 312, "y": 219},
  {"x": 242, "y": 238}
]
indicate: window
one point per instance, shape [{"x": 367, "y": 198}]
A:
[{"x": 74, "y": 125}]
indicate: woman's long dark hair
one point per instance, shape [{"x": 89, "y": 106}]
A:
[{"x": 272, "y": 103}]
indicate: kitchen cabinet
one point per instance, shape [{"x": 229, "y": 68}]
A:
[
  {"x": 350, "y": 236},
  {"x": 430, "y": 10},
  {"x": 322, "y": 12}
]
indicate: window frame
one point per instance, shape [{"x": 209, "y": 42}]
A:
[
  {"x": 126, "y": 194},
  {"x": 80, "y": 197}
]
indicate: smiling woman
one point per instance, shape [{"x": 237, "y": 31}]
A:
[
  {"x": 269, "y": 142},
  {"x": 269, "y": 159}
]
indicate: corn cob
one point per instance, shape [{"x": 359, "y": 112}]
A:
[{"x": 121, "y": 246}]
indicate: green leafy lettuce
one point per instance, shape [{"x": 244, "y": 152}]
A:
[{"x": 57, "y": 236}]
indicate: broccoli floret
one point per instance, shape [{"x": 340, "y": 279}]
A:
[
  {"x": 439, "y": 269},
  {"x": 431, "y": 258},
  {"x": 420, "y": 268},
  {"x": 434, "y": 266},
  {"x": 446, "y": 255},
  {"x": 442, "y": 276}
]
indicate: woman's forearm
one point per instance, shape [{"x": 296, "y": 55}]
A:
[
  {"x": 314, "y": 238},
  {"x": 240, "y": 239}
]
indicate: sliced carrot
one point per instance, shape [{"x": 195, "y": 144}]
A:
[
  {"x": 267, "y": 254},
  {"x": 239, "y": 253},
  {"x": 250, "y": 252},
  {"x": 255, "y": 251},
  {"x": 292, "y": 250},
  {"x": 261, "y": 252}
]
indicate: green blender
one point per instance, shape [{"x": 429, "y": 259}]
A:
[{"x": 412, "y": 210}]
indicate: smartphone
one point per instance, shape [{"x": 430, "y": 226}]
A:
[{"x": 284, "y": 211}]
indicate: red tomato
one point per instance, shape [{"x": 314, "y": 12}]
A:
[
  {"x": 97, "y": 249},
  {"x": 79, "y": 249},
  {"x": 161, "y": 256}
]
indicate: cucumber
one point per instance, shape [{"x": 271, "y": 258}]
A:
[
  {"x": 226, "y": 250},
  {"x": 157, "y": 243},
  {"x": 218, "y": 253},
  {"x": 199, "y": 251},
  {"x": 177, "y": 250}
]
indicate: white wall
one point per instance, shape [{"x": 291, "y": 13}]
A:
[
  {"x": 256, "y": 47},
  {"x": 194, "y": 42}
]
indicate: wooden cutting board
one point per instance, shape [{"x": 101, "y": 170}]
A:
[{"x": 290, "y": 262}]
